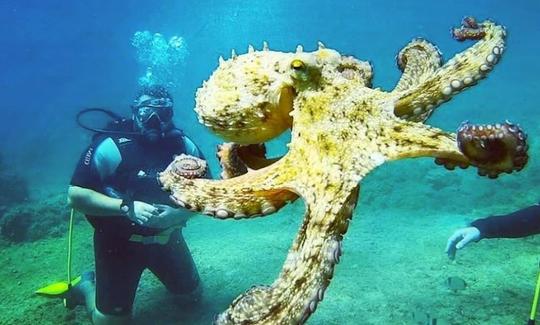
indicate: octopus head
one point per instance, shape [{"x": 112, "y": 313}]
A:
[
  {"x": 248, "y": 99},
  {"x": 325, "y": 67}
]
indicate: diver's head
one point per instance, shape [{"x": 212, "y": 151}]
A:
[{"x": 152, "y": 112}]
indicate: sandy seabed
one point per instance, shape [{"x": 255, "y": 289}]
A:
[{"x": 393, "y": 264}]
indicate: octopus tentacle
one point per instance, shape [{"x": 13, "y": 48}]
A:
[
  {"x": 418, "y": 60},
  {"x": 258, "y": 193},
  {"x": 469, "y": 30},
  {"x": 236, "y": 159},
  {"x": 495, "y": 149},
  {"x": 411, "y": 139},
  {"x": 307, "y": 272},
  {"x": 459, "y": 73}
]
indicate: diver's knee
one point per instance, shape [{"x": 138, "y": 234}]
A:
[
  {"x": 188, "y": 296},
  {"x": 98, "y": 318}
]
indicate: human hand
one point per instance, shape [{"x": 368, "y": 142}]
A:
[
  {"x": 168, "y": 216},
  {"x": 460, "y": 238},
  {"x": 142, "y": 212}
]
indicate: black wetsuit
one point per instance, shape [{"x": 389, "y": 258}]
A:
[
  {"x": 124, "y": 167},
  {"x": 521, "y": 223}
]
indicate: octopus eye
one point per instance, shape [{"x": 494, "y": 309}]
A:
[{"x": 298, "y": 65}]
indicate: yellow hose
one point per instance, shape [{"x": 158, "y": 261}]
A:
[
  {"x": 70, "y": 245},
  {"x": 535, "y": 299},
  {"x": 59, "y": 289}
]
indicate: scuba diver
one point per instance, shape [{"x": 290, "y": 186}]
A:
[
  {"x": 521, "y": 223},
  {"x": 135, "y": 226}
]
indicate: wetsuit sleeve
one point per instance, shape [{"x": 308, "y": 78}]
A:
[
  {"x": 522, "y": 223},
  {"x": 193, "y": 150},
  {"x": 97, "y": 163}
]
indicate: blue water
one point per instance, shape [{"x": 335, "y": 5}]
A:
[{"x": 58, "y": 57}]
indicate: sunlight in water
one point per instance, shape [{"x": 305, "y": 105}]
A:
[{"x": 159, "y": 58}]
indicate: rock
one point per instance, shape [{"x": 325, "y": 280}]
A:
[
  {"x": 13, "y": 187},
  {"x": 14, "y": 226},
  {"x": 34, "y": 220}
]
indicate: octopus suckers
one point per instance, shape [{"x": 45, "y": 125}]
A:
[
  {"x": 268, "y": 208},
  {"x": 312, "y": 306},
  {"x": 239, "y": 215},
  {"x": 468, "y": 80},
  {"x": 320, "y": 294},
  {"x": 447, "y": 91},
  {"x": 456, "y": 84},
  {"x": 484, "y": 68},
  {"x": 222, "y": 213}
]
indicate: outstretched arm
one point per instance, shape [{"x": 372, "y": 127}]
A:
[{"x": 521, "y": 223}]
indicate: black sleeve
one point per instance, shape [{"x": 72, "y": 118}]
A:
[
  {"x": 522, "y": 223},
  {"x": 86, "y": 174}
]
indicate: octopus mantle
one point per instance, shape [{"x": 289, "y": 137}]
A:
[{"x": 342, "y": 128}]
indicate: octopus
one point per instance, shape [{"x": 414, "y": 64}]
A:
[{"x": 341, "y": 129}]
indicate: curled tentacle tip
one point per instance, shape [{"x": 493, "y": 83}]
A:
[
  {"x": 469, "y": 30},
  {"x": 470, "y": 22},
  {"x": 189, "y": 166},
  {"x": 494, "y": 149}
]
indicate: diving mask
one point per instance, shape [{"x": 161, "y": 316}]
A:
[{"x": 162, "y": 108}]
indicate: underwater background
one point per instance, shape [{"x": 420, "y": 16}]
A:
[{"x": 58, "y": 57}]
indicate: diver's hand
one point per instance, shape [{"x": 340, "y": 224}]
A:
[
  {"x": 169, "y": 216},
  {"x": 460, "y": 238},
  {"x": 142, "y": 212}
]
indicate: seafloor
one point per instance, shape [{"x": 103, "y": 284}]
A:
[{"x": 393, "y": 264}]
